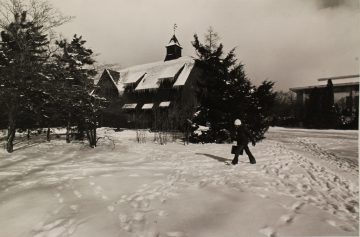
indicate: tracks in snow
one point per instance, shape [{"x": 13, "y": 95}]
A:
[
  {"x": 311, "y": 184},
  {"x": 344, "y": 164},
  {"x": 280, "y": 170}
]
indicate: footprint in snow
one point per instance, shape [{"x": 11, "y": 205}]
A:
[
  {"x": 38, "y": 227},
  {"x": 162, "y": 213},
  {"x": 72, "y": 230},
  {"x": 120, "y": 201},
  {"x": 139, "y": 217},
  {"x": 75, "y": 208},
  {"x": 342, "y": 227},
  {"x": 268, "y": 231},
  {"x": 56, "y": 211},
  {"x": 159, "y": 174},
  {"x": 138, "y": 221},
  {"x": 286, "y": 219},
  {"x": 111, "y": 208},
  {"x": 332, "y": 223},
  {"x": 104, "y": 197},
  {"x": 153, "y": 232},
  {"x": 77, "y": 194},
  {"x": 60, "y": 227},
  {"x": 52, "y": 225},
  {"x": 296, "y": 206},
  {"x": 347, "y": 228},
  {"x": 123, "y": 218},
  {"x": 263, "y": 196},
  {"x": 135, "y": 205},
  {"x": 175, "y": 234}
]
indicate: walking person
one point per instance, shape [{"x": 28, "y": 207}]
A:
[{"x": 243, "y": 137}]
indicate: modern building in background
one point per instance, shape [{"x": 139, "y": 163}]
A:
[{"x": 345, "y": 93}]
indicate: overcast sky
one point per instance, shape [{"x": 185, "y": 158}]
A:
[{"x": 291, "y": 42}]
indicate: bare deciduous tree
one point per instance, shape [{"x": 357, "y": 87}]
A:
[{"x": 40, "y": 12}]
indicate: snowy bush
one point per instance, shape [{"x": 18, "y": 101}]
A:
[{"x": 141, "y": 136}]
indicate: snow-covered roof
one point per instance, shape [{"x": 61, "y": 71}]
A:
[
  {"x": 184, "y": 75},
  {"x": 129, "y": 106},
  {"x": 114, "y": 74},
  {"x": 164, "y": 104},
  {"x": 111, "y": 77},
  {"x": 129, "y": 77},
  {"x": 173, "y": 41},
  {"x": 115, "y": 78},
  {"x": 151, "y": 74},
  {"x": 148, "y": 106}
]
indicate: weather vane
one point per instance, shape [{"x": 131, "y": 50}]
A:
[{"x": 175, "y": 27}]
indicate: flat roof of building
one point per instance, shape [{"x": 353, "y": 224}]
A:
[
  {"x": 294, "y": 89},
  {"x": 339, "y": 77}
]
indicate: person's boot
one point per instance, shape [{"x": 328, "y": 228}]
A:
[{"x": 234, "y": 161}]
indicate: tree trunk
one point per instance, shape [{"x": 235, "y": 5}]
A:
[
  {"x": 11, "y": 134},
  {"x": 48, "y": 135},
  {"x": 80, "y": 132},
  {"x": 28, "y": 134},
  {"x": 95, "y": 137},
  {"x": 91, "y": 136},
  {"x": 68, "y": 132}
]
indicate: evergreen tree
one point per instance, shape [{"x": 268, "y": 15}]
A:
[
  {"x": 225, "y": 93},
  {"x": 313, "y": 113},
  {"x": 23, "y": 55},
  {"x": 79, "y": 105},
  {"x": 284, "y": 109},
  {"x": 321, "y": 112},
  {"x": 25, "y": 81},
  {"x": 329, "y": 114}
]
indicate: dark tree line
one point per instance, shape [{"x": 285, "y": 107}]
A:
[
  {"x": 284, "y": 109},
  {"x": 44, "y": 83}
]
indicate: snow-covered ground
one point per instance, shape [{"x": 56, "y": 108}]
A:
[{"x": 304, "y": 184}]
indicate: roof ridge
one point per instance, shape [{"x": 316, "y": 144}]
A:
[
  {"x": 162, "y": 62},
  {"x": 111, "y": 77}
]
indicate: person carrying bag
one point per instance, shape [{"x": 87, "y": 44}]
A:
[{"x": 243, "y": 137}]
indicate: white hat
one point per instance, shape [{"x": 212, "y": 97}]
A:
[{"x": 237, "y": 122}]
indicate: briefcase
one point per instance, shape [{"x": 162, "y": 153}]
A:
[{"x": 237, "y": 150}]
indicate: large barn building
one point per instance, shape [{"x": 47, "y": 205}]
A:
[{"x": 158, "y": 95}]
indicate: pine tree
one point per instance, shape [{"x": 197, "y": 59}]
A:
[
  {"x": 25, "y": 79},
  {"x": 225, "y": 93},
  {"x": 80, "y": 106},
  {"x": 23, "y": 54},
  {"x": 313, "y": 109},
  {"x": 328, "y": 106}
]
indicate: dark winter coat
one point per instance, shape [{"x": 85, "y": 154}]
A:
[{"x": 243, "y": 136}]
